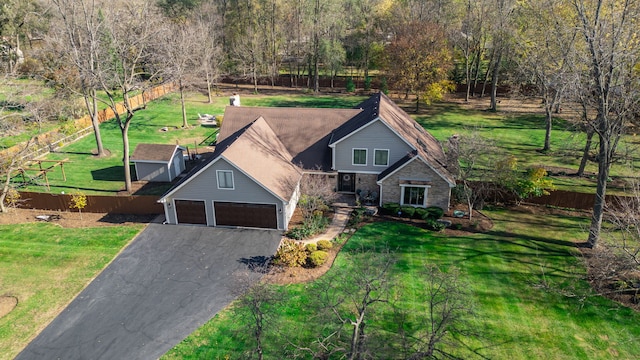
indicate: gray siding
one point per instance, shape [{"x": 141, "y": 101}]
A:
[
  {"x": 205, "y": 187},
  {"x": 152, "y": 172},
  {"x": 177, "y": 159},
  {"x": 438, "y": 194},
  {"x": 375, "y": 136}
]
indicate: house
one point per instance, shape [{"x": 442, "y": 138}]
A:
[
  {"x": 158, "y": 162},
  {"x": 253, "y": 177}
]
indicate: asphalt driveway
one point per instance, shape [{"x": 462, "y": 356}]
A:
[{"x": 169, "y": 281}]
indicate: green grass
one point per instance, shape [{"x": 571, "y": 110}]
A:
[
  {"x": 523, "y": 136},
  {"x": 45, "y": 266},
  {"x": 531, "y": 298}
]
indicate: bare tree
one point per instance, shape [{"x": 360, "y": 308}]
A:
[
  {"x": 444, "y": 321},
  {"x": 351, "y": 296},
  {"x": 624, "y": 215},
  {"x": 255, "y": 305},
  {"x": 208, "y": 36},
  {"x": 131, "y": 30},
  {"x": 611, "y": 52},
  {"x": 471, "y": 157},
  {"x": 546, "y": 54},
  {"x": 501, "y": 38},
  {"x": 76, "y": 39},
  {"x": 178, "y": 56}
]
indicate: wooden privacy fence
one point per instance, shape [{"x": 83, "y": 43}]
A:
[
  {"x": 567, "y": 199},
  {"x": 131, "y": 205},
  {"x": 577, "y": 200},
  {"x": 52, "y": 140}
]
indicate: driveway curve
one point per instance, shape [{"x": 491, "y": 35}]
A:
[{"x": 168, "y": 282}]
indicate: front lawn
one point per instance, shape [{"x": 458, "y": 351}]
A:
[
  {"x": 44, "y": 266},
  {"x": 524, "y": 276}
]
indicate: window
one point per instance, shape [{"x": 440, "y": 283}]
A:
[
  {"x": 381, "y": 157},
  {"x": 412, "y": 195},
  {"x": 225, "y": 179},
  {"x": 359, "y": 156}
]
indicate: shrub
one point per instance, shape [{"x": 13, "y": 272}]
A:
[
  {"x": 408, "y": 211},
  {"x": 324, "y": 245},
  {"x": 367, "y": 83},
  {"x": 420, "y": 213},
  {"x": 434, "y": 212},
  {"x": 350, "y": 86},
  {"x": 310, "y": 247},
  {"x": 434, "y": 225},
  {"x": 457, "y": 226},
  {"x": 317, "y": 258},
  {"x": 391, "y": 208},
  {"x": 310, "y": 227},
  {"x": 356, "y": 216},
  {"x": 291, "y": 254}
]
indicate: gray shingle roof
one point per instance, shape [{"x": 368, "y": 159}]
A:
[
  {"x": 153, "y": 152},
  {"x": 305, "y": 132}
]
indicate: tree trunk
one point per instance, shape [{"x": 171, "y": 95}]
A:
[
  {"x": 125, "y": 157},
  {"x": 548, "y": 124},
  {"x": 601, "y": 190},
  {"x": 185, "y": 124},
  {"x": 486, "y": 74},
  {"x": 95, "y": 122},
  {"x": 476, "y": 72},
  {"x": 468, "y": 78},
  {"x": 585, "y": 153},
  {"x": 494, "y": 83},
  {"x": 209, "y": 98}
]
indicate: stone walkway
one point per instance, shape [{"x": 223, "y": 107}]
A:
[{"x": 337, "y": 226}]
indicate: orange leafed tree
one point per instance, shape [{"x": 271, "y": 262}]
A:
[{"x": 418, "y": 60}]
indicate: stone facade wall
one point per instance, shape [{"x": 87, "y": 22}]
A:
[
  {"x": 439, "y": 194},
  {"x": 367, "y": 182}
]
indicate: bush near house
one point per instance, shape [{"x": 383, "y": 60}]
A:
[
  {"x": 324, "y": 245},
  {"x": 317, "y": 258},
  {"x": 291, "y": 254}
]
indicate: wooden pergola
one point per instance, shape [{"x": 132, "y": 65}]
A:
[{"x": 41, "y": 171}]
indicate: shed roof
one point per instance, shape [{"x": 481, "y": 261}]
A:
[{"x": 154, "y": 152}]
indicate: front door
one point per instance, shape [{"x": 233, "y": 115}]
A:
[{"x": 347, "y": 182}]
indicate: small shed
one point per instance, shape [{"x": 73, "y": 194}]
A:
[{"x": 158, "y": 162}]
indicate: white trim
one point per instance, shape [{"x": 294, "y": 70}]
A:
[
  {"x": 451, "y": 185},
  {"x": 152, "y": 161},
  {"x": 388, "y": 157},
  {"x": 366, "y": 156},
  {"x": 356, "y": 130},
  {"x": 379, "y": 182},
  {"x": 204, "y": 168},
  {"x": 398, "y": 134},
  {"x": 233, "y": 184},
  {"x": 424, "y": 200},
  {"x": 256, "y": 181},
  {"x": 360, "y": 172},
  {"x": 333, "y": 157}
]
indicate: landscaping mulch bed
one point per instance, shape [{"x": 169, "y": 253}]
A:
[{"x": 72, "y": 219}]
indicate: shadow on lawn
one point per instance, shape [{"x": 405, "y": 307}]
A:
[{"x": 111, "y": 173}]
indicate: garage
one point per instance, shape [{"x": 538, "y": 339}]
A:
[
  {"x": 246, "y": 215},
  {"x": 191, "y": 212}
]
